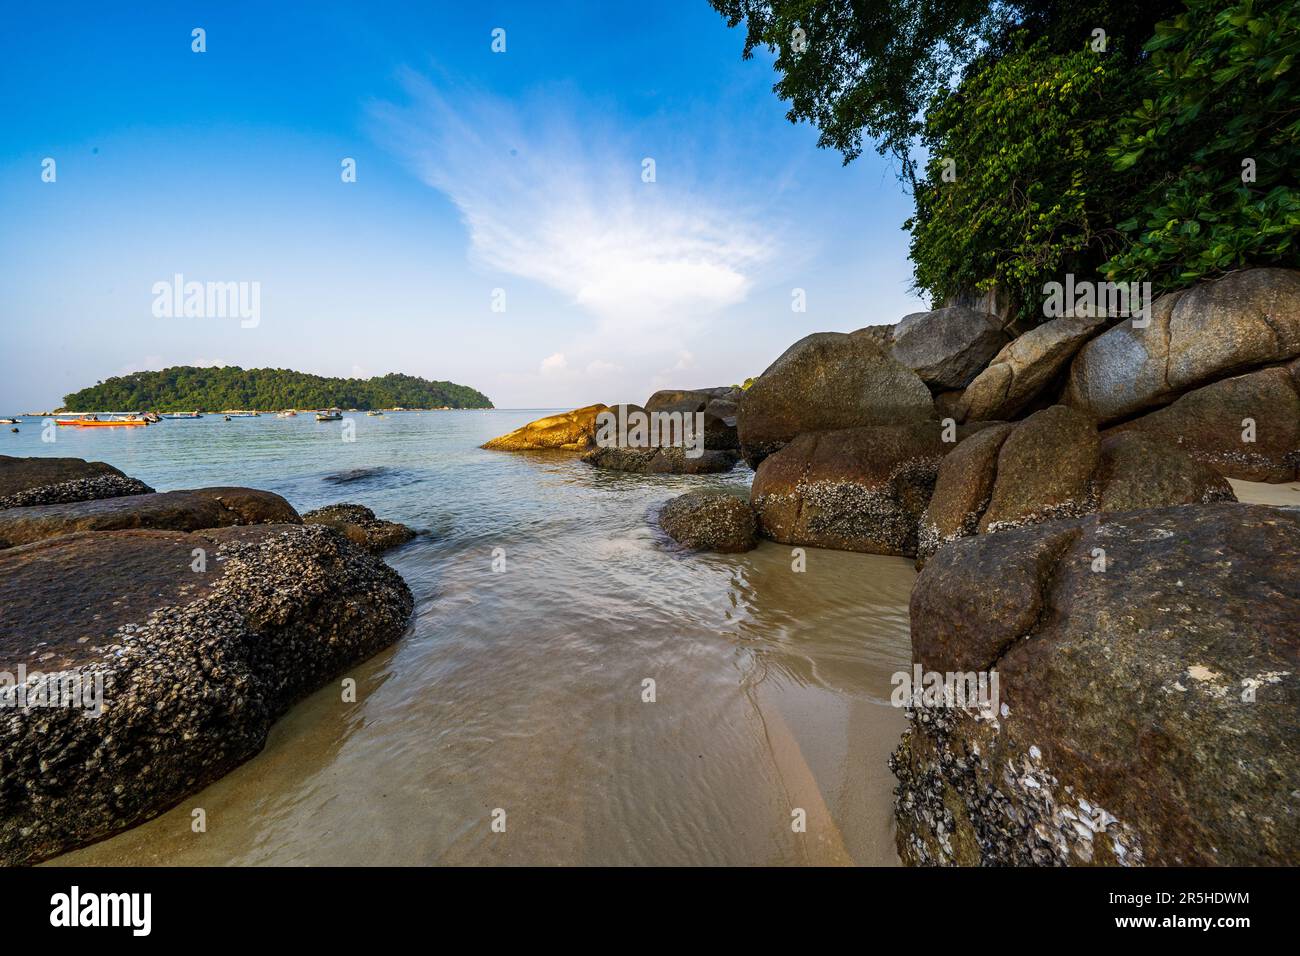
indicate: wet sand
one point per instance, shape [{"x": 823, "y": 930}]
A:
[{"x": 1258, "y": 493}]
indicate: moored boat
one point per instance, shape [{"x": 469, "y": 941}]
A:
[
  {"x": 329, "y": 416},
  {"x": 94, "y": 422}
]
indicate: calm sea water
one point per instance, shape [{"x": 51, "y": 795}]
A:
[{"x": 522, "y": 691}]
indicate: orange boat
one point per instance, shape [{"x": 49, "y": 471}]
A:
[{"x": 94, "y": 422}]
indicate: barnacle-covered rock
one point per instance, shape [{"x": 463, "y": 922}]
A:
[
  {"x": 192, "y": 644},
  {"x": 855, "y": 489},
  {"x": 359, "y": 525},
  {"x": 1148, "y": 668},
  {"x": 44, "y": 481},
  {"x": 710, "y": 520},
  {"x": 171, "y": 511}
]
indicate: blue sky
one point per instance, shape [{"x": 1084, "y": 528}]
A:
[{"x": 476, "y": 171}]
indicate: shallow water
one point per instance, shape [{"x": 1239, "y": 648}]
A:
[{"x": 521, "y": 690}]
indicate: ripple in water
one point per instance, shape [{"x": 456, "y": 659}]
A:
[{"x": 522, "y": 690}]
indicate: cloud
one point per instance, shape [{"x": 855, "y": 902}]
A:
[
  {"x": 553, "y": 363},
  {"x": 567, "y": 207}
]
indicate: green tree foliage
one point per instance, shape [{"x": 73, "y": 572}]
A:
[
  {"x": 1222, "y": 86},
  {"x": 1029, "y": 193},
  {"x": 869, "y": 65},
  {"x": 873, "y": 66},
  {"x": 186, "y": 388},
  {"x": 1125, "y": 162}
]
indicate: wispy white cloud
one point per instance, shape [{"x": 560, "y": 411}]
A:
[{"x": 567, "y": 207}]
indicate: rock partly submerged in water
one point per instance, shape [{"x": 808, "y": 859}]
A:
[
  {"x": 359, "y": 525},
  {"x": 717, "y": 405},
  {"x": 570, "y": 431},
  {"x": 710, "y": 520},
  {"x": 42, "y": 481},
  {"x": 170, "y": 510},
  {"x": 194, "y": 665},
  {"x": 659, "y": 447},
  {"x": 671, "y": 460},
  {"x": 353, "y": 475},
  {"x": 1147, "y": 712}
]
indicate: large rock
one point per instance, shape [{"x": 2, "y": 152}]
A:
[
  {"x": 1044, "y": 469},
  {"x": 1197, "y": 335},
  {"x": 171, "y": 510},
  {"x": 962, "y": 489},
  {"x": 718, "y": 405},
  {"x": 948, "y": 347},
  {"x": 359, "y": 525},
  {"x": 719, "y": 401},
  {"x": 1025, "y": 368},
  {"x": 194, "y": 665},
  {"x": 855, "y": 489},
  {"x": 826, "y": 381},
  {"x": 1053, "y": 465},
  {"x": 710, "y": 520},
  {"x": 658, "y": 455},
  {"x": 720, "y": 433},
  {"x": 668, "y": 460},
  {"x": 1139, "y": 472},
  {"x": 881, "y": 335},
  {"x": 571, "y": 431},
  {"x": 1211, "y": 425},
  {"x": 1147, "y": 713},
  {"x": 40, "y": 481}
]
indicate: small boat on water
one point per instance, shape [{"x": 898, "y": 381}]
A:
[
  {"x": 329, "y": 416},
  {"x": 375, "y": 413},
  {"x": 94, "y": 421},
  {"x": 11, "y": 421},
  {"x": 182, "y": 416},
  {"x": 288, "y": 413}
]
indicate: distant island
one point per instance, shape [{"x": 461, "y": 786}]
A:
[{"x": 188, "y": 388}]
